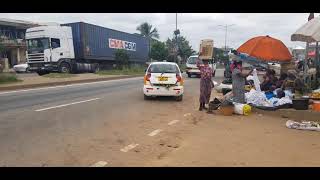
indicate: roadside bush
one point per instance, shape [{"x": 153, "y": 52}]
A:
[
  {"x": 122, "y": 59},
  {"x": 8, "y": 78}
]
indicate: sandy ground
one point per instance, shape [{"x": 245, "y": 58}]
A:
[{"x": 84, "y": 134}]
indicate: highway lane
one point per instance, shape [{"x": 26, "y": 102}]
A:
[{"x": 83, "y": 133}]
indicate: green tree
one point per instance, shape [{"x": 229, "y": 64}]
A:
[
  {"x": 184, "y": 48},
  {"x": 1, "y": 50},
  {"x": 148, "y": 31},
  {"x": 159, "y": 51},
  {"x": 122, "y": 58}
]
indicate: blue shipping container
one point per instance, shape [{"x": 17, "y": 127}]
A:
[{"x": 93, "y": 42}]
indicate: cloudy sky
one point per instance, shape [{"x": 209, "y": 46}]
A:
[{"x": 195, "y": 26}]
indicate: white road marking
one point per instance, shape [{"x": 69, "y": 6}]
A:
[
  {"x": 173, "y": 122},
  {"x": 63, "y": 105},
  {"x": 99, "y": 164},
  {"x": 129, "y": 147},
  {"x": 188, "y": 114},
  {"x": 70, "y": 85},
  {"x": 155, "y": 132}
]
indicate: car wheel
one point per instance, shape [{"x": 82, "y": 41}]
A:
[
  {"x": 64, "y": 68},
  {"x": 189, "y": 75},
  {"x": 145, "y": 97},
  {"x": 179, "y": 98},
  {"x": 27, "y": 70}
]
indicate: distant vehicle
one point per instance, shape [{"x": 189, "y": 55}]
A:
[
  {"x": 80, "y": 47},
  {"x": 192, "y": 69},
  {"x": 163, "y": 79},
  {"x": 21, "y": 68}
]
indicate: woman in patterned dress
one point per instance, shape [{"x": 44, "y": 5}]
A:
[{"x": 206, "y": 83}]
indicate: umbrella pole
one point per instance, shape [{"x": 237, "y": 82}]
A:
[
  {"x": 317, "y": 62},
  {"x": 305, "y": 63}
]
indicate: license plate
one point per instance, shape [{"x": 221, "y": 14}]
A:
[{"x": 162, "y": 78}]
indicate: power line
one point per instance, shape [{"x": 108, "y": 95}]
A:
[{"x": 226, "y": 31}]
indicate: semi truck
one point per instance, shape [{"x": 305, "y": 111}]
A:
[{"x": 80, "y": 47}]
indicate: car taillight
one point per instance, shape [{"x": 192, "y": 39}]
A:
[
  {"x": 147, "y": 78},
  {"x": 179, "y": 79}
]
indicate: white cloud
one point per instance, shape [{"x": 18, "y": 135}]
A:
[{"x": 195, "y": 26}]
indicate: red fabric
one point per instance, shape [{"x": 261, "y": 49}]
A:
[
  {"x": 266, "y": 48},
  {"x": 312, "y": 53}
]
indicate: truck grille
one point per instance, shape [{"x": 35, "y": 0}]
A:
[{"x": 36, "y": 58}]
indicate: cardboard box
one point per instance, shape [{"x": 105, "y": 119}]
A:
[{"x": 206, "y": 49}]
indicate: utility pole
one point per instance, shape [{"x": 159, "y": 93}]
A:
[
  {"x": 176, "y": 33},
  {"x": 226, "y": 32}
]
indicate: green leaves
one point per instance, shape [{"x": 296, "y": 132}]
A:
[
  {"x": 147, "y": 30},
  {"x": 159, "y": 51},
  {"x": 122, "y": 58}
]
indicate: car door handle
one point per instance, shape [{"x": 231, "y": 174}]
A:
[{"x": 61, "y": 54}]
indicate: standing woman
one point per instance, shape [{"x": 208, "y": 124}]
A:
[
  {"x": 238, "y": 82},
  {"x": 206, "y": 83}
]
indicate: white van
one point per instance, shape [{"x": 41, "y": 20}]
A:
[{"x": 192, "y": 69}]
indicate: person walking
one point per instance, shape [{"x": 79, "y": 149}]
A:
[
  {"x": 238, "y": 82},
  {"x": 206, "y": 83}
]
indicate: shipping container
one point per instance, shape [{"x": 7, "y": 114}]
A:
[{"x": 92, "y": 42}]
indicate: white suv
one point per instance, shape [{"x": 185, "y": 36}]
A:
[
  {"x": 192, "y": 69},
  {"x": 163, "y": 79}
]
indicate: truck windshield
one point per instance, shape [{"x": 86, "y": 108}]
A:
[
  {"x": 38, "y": 44},
  {"x": 192, "y": 60}
]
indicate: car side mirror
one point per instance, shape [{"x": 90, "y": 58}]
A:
[{"x": 145, "y": 70}]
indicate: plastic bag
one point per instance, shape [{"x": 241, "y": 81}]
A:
[{"x": 256, "y": 80}]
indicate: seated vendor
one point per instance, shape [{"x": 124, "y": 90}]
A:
[
  {"x": 282, "y": 78},
  {"x": 288, "y": 83},
  {"x": 269, "y": 81}
]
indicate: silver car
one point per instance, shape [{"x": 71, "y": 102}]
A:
[{"x": 21, "y": 68}]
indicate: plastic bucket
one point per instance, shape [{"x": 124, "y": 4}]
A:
[
  {"x": 300, "y": 104},
  {"x": 227, "y": 110},
  {"x": 316, "y": 106}
]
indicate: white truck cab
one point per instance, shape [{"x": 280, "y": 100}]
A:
[
  {"x": 192, "y": 69},
  {"x": 49, "y": 48}
]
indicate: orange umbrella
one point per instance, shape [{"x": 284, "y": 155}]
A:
[{"x": 266, "y": 48}]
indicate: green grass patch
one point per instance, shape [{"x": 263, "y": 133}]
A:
[
  {"x": 126, "y": 71},
  {"x": 8, "y": 78},
  {"x": 59, "y": 75}
]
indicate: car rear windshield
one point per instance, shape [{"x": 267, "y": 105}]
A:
[{"x": 163, "y": 68}]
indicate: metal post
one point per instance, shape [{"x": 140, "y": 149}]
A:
[
  {"x": 225, "y": 39},
  {"x": 317, "y": 60}
]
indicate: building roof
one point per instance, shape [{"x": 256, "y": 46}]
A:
[{"x": 17, "y": 23}]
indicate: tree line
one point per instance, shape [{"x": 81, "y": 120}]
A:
[{"x": 172, "y": 50}]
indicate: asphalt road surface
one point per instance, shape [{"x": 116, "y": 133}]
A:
[{"x": 79, "y": 125}]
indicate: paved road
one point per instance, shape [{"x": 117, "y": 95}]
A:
[{"x": 78, "y": 125}]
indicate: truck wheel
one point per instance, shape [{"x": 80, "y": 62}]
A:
[
  {"x": 179, "y": 98},
  {"x": 64, "y": 68},
  {"x": 41, "y": 73},
  {"x": 96, "y": 69}
]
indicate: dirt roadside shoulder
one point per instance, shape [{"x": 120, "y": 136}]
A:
[{"x": 57, "y": 82}]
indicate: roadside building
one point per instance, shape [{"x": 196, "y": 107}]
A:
[
  {"x": 298, "y": 53},
  {"x": 12, "y": 40}
]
